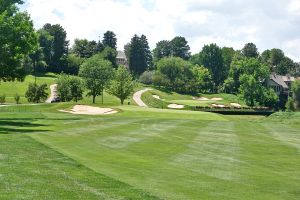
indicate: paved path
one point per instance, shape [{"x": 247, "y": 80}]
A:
[
  {"x": 53, "y": 93},
  {"x": 137, "y": 97}
]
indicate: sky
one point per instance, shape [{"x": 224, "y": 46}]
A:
[{"x": 232, "y": 23}]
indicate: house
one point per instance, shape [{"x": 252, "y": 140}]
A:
[
  {"x": 281, "y": 84},
  {"x": 121, "y": 59}
]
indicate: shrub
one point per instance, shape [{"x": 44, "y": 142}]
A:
[
  {"x": 290, "y": 106},
  {"x": 147, "y": 77},
  {"x": 36, "y": 93},
  {"x": 17, "y": 98},
  {"x": 2, "y": 99}
]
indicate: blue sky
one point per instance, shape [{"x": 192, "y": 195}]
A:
[{"x": 269, "y": 24}]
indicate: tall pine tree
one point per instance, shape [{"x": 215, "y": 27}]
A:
[{"x": 139, "y": 54}]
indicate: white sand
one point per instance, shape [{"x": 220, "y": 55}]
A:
[
  {"x": 89, "y": 110},
  {"x": 207, "y": 99},
  {"x": 218, "y": 105},
  {"x": 176, "y": 106},
  {"x": 156, "y": 96},
  {"x": 236, "y": 105},
  {"x": 216, "y": 99}
]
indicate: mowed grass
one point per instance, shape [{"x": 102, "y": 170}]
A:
[{"x": 150, "y": 153}]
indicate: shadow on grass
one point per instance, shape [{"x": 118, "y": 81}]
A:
[{"x": 12, "y": 127}]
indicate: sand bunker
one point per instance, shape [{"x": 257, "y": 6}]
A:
[
  {"x": 218, "y": 106},
  {"x": 207, "y": 99},
  {"x": 156, "y": 96},
  {"x": 236, "y": 105},
  {"x": 216, "y": 99},
  {"x": 176, "y": 106},
  {"x": 89, "y": 110}
]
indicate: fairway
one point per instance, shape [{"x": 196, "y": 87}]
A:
[{"x": 144, "y": 153}]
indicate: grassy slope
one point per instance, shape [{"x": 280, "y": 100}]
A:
[
  {"x": 11, "y": 88},
  {"x": 170, "y": 154},
  {"x": 168, "y": 98}
]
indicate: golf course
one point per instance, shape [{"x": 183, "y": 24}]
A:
[{"x": 145, "y": 153}]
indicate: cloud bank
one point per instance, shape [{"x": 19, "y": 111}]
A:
[{"x": 269, "y": 24}]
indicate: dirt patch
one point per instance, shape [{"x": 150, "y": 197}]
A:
[
  {"x": 89, "y": 110},
  {"x": 176, "y": 106}
]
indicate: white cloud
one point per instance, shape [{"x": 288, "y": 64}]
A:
[{"x": 227, "y": 23}]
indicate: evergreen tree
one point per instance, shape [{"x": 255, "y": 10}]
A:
[
  {"x": 139, "y": 54},
  {"x": 109, "y": 40}
]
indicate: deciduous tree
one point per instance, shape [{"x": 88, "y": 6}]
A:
[
  {"x": 17, "y": 40},
  {"x": 122, "y": 85},
  {"x": 97, "y": 73}
]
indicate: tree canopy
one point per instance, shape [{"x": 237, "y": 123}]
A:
[
  {"x": 18, "y": 39},
  {"x": 96, "y": 72}
]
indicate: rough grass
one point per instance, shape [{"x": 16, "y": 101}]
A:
[
  {"x": 187, "y": 100},
  {"x": 146, "y": 153}
]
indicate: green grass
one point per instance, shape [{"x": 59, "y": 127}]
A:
[
  {"x": 11, "y": 88},
  {"x": 143, "y": 153},
  {"x": 187, "y": 100}
]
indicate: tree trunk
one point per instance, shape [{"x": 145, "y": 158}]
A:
[
  {"x": 94, "y": 99},
  {"x": 122, "y": 101}
]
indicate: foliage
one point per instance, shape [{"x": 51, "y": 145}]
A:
[
  {"x": 109, "y": 40},
  {"x": 2, "y": 99},
  {"x": 17, "y": 40},
  {"x": 96, "y": 73},
  {"x": 163, "y": 49},
  {"x": 290, "y": 105},
  {"x": 202, "y": 79},
  {"x": 296, "y": 93},
  {"x": 138, "y": 54},
  {"x": 74, "y": 63},
  {"x": 147, "y": 77},
  {"x": 278, "y": 62},
  {"x": 180, "y": 48},
  {"x": 240, "y": 66},
  {"x": 17, "y": 98},
  {"x": 63, "y": 88},
  {"x": 211, "y": 58},
  {"x": 36, "y": 93},
  {"x": 110, "y": 54},
  {"x": 84, "y": 48},
  {"x": 69, "y": 88},
  {"x": 122, "y": 85},
  {"x": 55, "y": 45},
  {"x": 250, "y": 51}
]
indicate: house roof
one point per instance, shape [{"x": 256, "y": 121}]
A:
[
  {"x": 279, "y": 80},
  {"x": 121, "y": 54}
]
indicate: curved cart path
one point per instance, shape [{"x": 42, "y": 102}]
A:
[
  {"x": 53, "y": 93},
  {"x": 137, "y": 97}
]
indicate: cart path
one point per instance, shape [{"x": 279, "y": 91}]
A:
[
  {"x": 53, "y": 93},
  {"x": 137, "y": 97}
]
